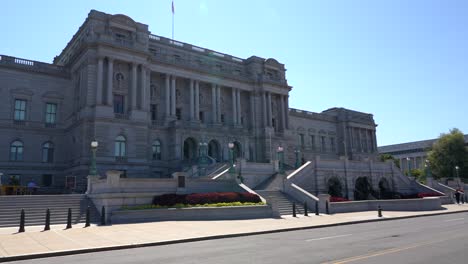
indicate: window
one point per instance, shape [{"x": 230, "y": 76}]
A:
[
  {"x": 20, "y": 110},
  {"x": 51, "y": 113},
  {"x": 16, "y": 151},
  {"x": 70, "y": 182},
  {"x": 14, "y": 179},
  {"x": 201, "y": 116},
  {"x": 120, "y": 146},
  {"x": 273, "y": 122},
  {"x": 47, "y": 152},
  {"x": 312, "y": 141},
  {"x": 46, "y": 180},
  {"x": 118, "y": 104},
  {"x": 153, "y": 112},
  {"x": 323, "y": 144},
  {"x": 178, "y": 113},
  {"x": 332, "y": 144},
  {"x": 222, "y": 118},
  {"x": 301, "y": 138},
  {"x": 156, "y": 150}
]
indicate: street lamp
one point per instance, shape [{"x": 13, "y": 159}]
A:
[
  {"x": 231, "y": 158},
  {"x": 202, "y": 159},
  {"x": 281, "y": 159},
  {"x": 92, "y": 169},
  {"x": 428, "y": 169},
  {"x": 296, "y": 153},
  {"x": 458, "y": 177},
  {"x": 409, "y": 166}
]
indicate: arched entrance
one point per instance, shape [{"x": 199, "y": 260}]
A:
[
  {"x": 384, "y": 189},
  {"x": 190, "y": 149},
  {"x": 334, "y": 187},
  {"x": 237, "y": 150},
  {"x": 213, "y": 150},
  {"x": 362, "y": 189}
]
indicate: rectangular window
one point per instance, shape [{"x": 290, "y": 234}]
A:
[
  {"x": 222, "y": 118},
  {"x": 178, "y": 113},
  {"x": 118, "y": 104},
  {"x": 153, "y": 112},
  {"x": 46, "y": 180},
  {"x": 20, "y": 110},
  {"x": 14, "y": 179},
  {"x": 323, "y": 144},
  {"x": 70, "y": 182},
  {"x": 332, "y": 144},
  {"x": 301, "y": 137},
  {"x": 312, "y": 141},
  {"x": 201, "y": 116},
  {"x": 273, "y": 123},
  {"x": 51, "y": 113}
]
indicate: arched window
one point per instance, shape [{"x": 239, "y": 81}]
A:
[
  {"x": 156, "y": 150},
  {"x": 16, "y": 150},
  {"x": 47, "y": 152},
  {"x": 120, "y": 146}
]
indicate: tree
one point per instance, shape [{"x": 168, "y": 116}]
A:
[
  {"x": 385, "y": 157},
  {"x": 447, "y": 152}
]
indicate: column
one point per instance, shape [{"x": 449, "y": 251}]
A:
[
  {"x": 173, "y": 96},
  {"x": 197, "y": 100},
  {"x": 283, "y": 114},
  {"x": 192, "y": 99},
  {"x": 252, "y": 110},
  {"x": 366, "y": 141},
  {"x": 218, "y": 103},
  {"x": 143, "y": 88},
  {"x": 287, "y": 110},
  {"x": 110, "y": 79},
  {"x": 375, "y": 140},
  {"x": 234, "y": 106},
  {"x": 239, "y": 112},
  {"x": 168, "y": 95},
  {"x": 213, "y": 103},
  {"x": 269, "y": 110},
  {"x": 265, "y": 114},
  {"x": 134, "y": 86},
  {"x": 99, "y": 81}
]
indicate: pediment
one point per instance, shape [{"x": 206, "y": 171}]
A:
[
  {"x": 123, "y": 22},
  {"x": 22, "y": 91}
]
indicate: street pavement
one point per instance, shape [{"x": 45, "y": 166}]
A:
[{"x": 443, "y": 235}]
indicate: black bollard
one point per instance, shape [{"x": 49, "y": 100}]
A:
[
  {"x": 69, "y": 225},
  {"x": 22, "y": 221},
  {"x": 294, "y": 209},
  {"x": 103, "y": 216},
  {"x": 47, "y": 220},
  {"x": 87, "y": 217},
  {"x": 317, "y": 209},
  {"x": 327, "y": 209},
  {"x": 380, "y": 211},
  {"x": 305, "y": 209}
]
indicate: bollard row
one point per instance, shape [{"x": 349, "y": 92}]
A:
[{"x": 22, "y": 223}]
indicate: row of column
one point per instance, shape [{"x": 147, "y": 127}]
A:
[
  {"x": 110, "y": 83},
  {"x": 416, "y": 163},
  {"x": 362, "y": 139},
  {"x": 283, "y": 111}
]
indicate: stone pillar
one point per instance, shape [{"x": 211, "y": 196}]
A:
[
  {"x": 265, "y": 114},
  {"x": 239, "y": 112},
  {"x": 134, "y": 86},
  {"x": 286, "y": 98},
  {"x": 252, "y": 110},
  {"x": 214, "y": 114},
  {"x": 168, "y": 95},
  {"x": 100, "y": 68},
  {"x": 366, "y": 141},
  {"x": 110, "y": 79},
  {"x": 283, "y": 114},
  {"x": 269, "y": 110},
  {"x": 173, "y": 96},
  {"x": 144, "y": 88},
  {"x": 192, "y": 99},
  {"x": 197, "y": 100},
  {"x": 218, "y": 103},
  {"x": 234, "y": 107},
  {"x": 375, "y": 140}
]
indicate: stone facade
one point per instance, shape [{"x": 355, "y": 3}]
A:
[{"x": 150, "y": 101}]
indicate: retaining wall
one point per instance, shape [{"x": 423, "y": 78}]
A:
[{"x": 424, "y": 204}]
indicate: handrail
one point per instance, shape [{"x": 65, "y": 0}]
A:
[
  {"x": 306, "y": 193},
  {"x": 298, "y": 170},
  {"x": 221, "y": 174}
]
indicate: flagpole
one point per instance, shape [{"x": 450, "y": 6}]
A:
[{"x": 172, "y": 20}]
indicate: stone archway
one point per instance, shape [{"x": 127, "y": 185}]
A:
[
  {"x": 362, "y": 189},
  {"x": 214, "y": 150},
  {"x": 190, "y": 149},
  {"x": 384, "y": 189},
  {"x": 334, "y": 187}
]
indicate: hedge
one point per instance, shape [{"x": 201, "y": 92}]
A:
[{"x": 205, "y": 198}]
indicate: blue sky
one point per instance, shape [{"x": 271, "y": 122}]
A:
[{"x": 406, "y": 62}]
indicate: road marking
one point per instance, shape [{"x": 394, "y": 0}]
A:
[
  {"x": 456, "y": 219},
  {"x": 387, "y": 251},
  {"x": 330, "y": 237}
]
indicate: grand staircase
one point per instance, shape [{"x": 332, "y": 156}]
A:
[{"x": 35, "y": 207}]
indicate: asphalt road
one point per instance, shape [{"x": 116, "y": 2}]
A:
[{"x": 432, "y": 239}]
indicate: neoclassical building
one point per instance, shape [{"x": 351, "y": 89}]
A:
[{"x": 150, "y": 102}]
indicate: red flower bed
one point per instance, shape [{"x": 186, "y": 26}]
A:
[
  {"x": 422, "y": 195},
  {"x": 334, "y": 199},
  {"x": 205, "y": 198}
]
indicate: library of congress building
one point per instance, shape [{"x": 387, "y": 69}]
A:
[{"x": 151, "y": 104}]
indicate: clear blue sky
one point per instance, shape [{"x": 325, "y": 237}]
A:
[{"x": 403, "y": 61}]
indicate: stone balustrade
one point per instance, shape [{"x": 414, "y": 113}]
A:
[{"x": 9, "y": 61}]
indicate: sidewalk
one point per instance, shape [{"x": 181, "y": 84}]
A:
[{"x": 35, "y": 243}]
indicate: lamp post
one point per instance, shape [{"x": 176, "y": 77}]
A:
[
  {"x": 92, "y": 169},
  {"x": 296, "y": 153},
  {"x": 232, "y": 171},
  {"x": 281, "y": 159},
  {"x": 428, "y": 169},
  {"x": 458, "y": 176},
  {"x": 202, "y": 160},
  {"x": 409, "y": 166}
]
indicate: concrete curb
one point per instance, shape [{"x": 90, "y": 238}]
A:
[{"x": 162, "y": 243}]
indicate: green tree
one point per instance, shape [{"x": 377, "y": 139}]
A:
[
  {"x": 385, "y": 157},
  {"x": 447, "y": 152}
]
